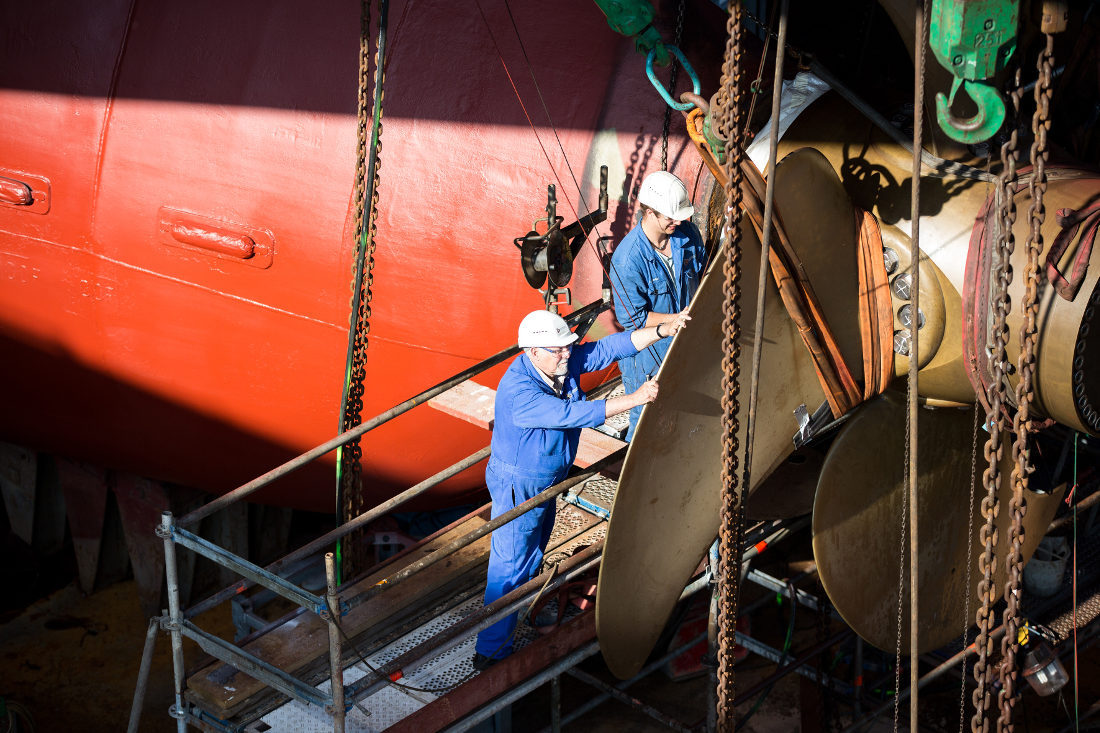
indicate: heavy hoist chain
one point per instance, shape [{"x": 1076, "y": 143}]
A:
[
  {"x": 1025, "y": 391},
  {"x": 673, "y": 76},
  {"x": 1001, "y": 274},
  {"x": 368, "y": 170},
  {"x": 731, "y": 126}
]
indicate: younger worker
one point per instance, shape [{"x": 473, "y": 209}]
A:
[
  {"x": 538, "y": 415},
  {"x": 655, "y": 271}
]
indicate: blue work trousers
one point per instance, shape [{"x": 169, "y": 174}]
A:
[{"x": 515, "y": 553}]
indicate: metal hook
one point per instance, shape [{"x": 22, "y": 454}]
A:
[
  {"x": 983, "y": 125},
  {"x": 661, "y": 87}
]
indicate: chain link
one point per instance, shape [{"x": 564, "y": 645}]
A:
[
  {"x": 366, "y": 229},
  {"x": 732, "y": 511},
  {"x": 673, "y": 76},
  {"x": 1021, "y": 423},
  {"x": 1001, "y": 270}
]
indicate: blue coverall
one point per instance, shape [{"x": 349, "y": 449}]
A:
[
  {"x": 642, "y": 284},
  {"x": 535, "y": 437}
]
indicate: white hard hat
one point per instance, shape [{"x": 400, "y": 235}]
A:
[
  {"x": 543, "y": 328},
  {"x": 666, "y": 194}
]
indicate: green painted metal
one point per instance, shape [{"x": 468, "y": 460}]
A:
[
  {"x": 974, "y": 40},
  {"x": 634, "y": 18}
]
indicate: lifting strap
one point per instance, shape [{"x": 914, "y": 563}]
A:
[
  {"x": 1079, "y": 226},
  {"x": 1082, "y": 221},
  {"x": 876, "y": 318},
  {"x": 841, "y": 390}
]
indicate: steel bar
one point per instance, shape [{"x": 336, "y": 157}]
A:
[
  {"x": 626, "y": 699},
  {"x": 519, "y": 691},
  {"x": 645, "y": 672},
  {"x": 445, "y": 552},
  {"x": 143, "y": 676},
  {"x": 249, "y": 570},
  {"x": 382, "y": 418},
  {"x": 329, "y": 538},
  {"x": 335, "y": 664},
  {"x": 1068, "y": 519},
  {"x": 171, "y": 573},
  {"x": 761, "y": 649},
  {"x": 793, "y": 666},
  {"x": 555, "y": 704},
  {"x": 857, "y": 680},
  {"x": 780, "y": 586},
  {"x": 930, "y": 676},
  {"x": 482, "y": 618},
  {"x": 914, "y": 362},
  {"x": 255, "y": 667},
  {"x": 585, "y": 505}
]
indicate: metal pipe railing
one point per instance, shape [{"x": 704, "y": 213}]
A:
[
  {"x": 626, "y": 699},
  {"x": 928, "y": 677},
  {"x": 253, "y": 572},
  {"x": 311, "y": 455},
  {"x": 332, "y": 536},
  {"x": 645, "y": 672},
  {"x": 537, "y": 500},
  {"x": 793, "y": 666},
  {"x": 253, "y": 666},
  {"x": 143, "y": 676},
  {"x": 175, "y": 617},
  {"x": 335, "y": 664}
]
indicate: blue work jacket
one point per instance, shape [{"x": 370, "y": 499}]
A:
[
  {"x": 642, "y": 284},
  {"x": 536, "y": 431}
]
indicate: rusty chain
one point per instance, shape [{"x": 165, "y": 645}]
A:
[
  {"x": 366, "y": 229},
  {"x": 729, "y": 106},
  {"x": 1001, "y": 270},
  {"x": 673, "y": 76},
  {"x": 1021, "y": 422}
]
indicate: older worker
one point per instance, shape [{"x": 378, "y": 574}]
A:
[
  {"x": 538, "y": 415},
  {"x": 655, "y": 271}
]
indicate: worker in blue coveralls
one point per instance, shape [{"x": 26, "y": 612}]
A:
[
  {"x": 655, "y": 271},
  {"x": 538, "y": 415}
]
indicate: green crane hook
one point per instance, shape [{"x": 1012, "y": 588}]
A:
[
  {"x": 973, "y": 39},
  {"x": 985, "y": 122}
]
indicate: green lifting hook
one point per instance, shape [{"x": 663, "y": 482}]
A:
[
  {"x": 973, "y": 39},
  {"x": 984, "y": 124}
]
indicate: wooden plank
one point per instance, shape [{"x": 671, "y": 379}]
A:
[
  {"x": 467, "y": 401},
  {"x": 473, "y": 403},
  {"x": 595, "y": 445},
  {"x": 291, "y": 646}
]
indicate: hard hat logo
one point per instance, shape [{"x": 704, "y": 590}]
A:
[
  {"x": 666, "y": 194},
  {"x": 543, "y": 328}
]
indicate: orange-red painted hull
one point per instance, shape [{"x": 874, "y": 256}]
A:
[{"x": 121, "y": 347}]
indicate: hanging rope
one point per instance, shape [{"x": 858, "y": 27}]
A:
[
  {"x": 912, "y": 392},
  {"x": 731, "y": 127},
  {"x": 349, "y": 484}
]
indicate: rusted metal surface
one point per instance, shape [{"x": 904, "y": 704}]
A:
[
  {"x": 856, "y": 523},
  {"x": 243, "y": 364},
  {"x": 140, "y": 504},
  {"x": 85, "y": 489}
]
